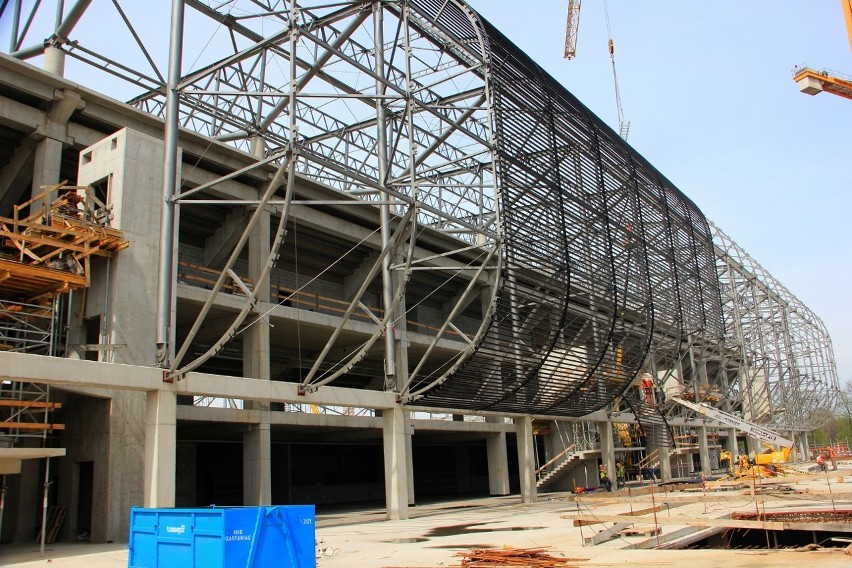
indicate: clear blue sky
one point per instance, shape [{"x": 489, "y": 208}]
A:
[{"x": 707, "y": 89}]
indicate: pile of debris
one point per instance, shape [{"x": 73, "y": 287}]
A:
[{"x": 527, "y": 557}]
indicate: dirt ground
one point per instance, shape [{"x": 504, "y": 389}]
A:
[{"x": 435, "y": 534}]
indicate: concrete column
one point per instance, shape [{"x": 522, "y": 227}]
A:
[
  {"x": 409, "y": 453},
  {"x": 665, "y": 465},
  {"x": 498, "y": 460},
  {"x": 54, "y": 60},
  {"x": 804, "y": 446},
  {"x": 607, "y": 449},
  {"x": 731, "y": 445},
  {"x": 257, "y": 465},
  {"x": 703, "y": 450},
  {"x": 752, "y": 447},
  {"x": 160, "y": 446},
  {"x": 397, "y": 463},
  {"x": 526, "y": 458},
  {"x": 47, "y": 160},
  {"x": 257, "y": 443}
]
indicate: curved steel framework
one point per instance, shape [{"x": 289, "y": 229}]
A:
[
  {"x": 565, "y": 261},
  {"x": 604, "y": 260},
  {"x": 788, "y": 378}
]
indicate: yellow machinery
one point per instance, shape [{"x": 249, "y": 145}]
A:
[
  {"x": 765, "y": 464},
  {"x": 812, "y": 81},
  {"x": 772, "y": 456}
]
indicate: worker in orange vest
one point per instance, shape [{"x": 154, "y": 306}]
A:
[{"x": 647, "y": 387}]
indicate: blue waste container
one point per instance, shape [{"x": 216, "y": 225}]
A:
[{"x": 226, "y": 537}]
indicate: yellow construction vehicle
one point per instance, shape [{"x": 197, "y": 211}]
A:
[
  {"x": 727, "y": 458},
  {"x": 764, "y": 464},
  {"x": 771, "y": 456}
]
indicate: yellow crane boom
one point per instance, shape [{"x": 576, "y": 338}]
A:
[
  {"x": 813, "y": 81},
  {"x": 571, "y": 28}
]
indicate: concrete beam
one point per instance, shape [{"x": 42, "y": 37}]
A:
[
  {"x": 20, "y": 116},
  {"x": 202, "y": 384},
  {"x": 75, "y": 372},
  {"x": 11, "y": 458}
]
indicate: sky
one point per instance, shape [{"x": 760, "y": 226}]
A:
[{"x": 708, "y": 90}]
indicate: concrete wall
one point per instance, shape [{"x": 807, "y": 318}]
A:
[
  {"x": 123, "y": 296},
  {"x": 87, "y": 441},
  {"x": 125, "y": 289}
]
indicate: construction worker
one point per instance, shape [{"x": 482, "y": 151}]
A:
[
  {"x": 743, "y": 465},
  {"x": 659, "y": 391},
  {"x": 647, "y": 387},
  {"x": 619, "y": 475},
  {"x": 605, "y": 478},
  {"x": 827, "y": 455}
]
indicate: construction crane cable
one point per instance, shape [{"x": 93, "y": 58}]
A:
[{"x": 623, "y": 125}]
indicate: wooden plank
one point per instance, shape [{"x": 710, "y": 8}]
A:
[
  {"x": 18, "y": 238},
  {"x": 21, "y": 270},
  {"x": 29, "y": 403},
  {"x": 738, "y": 497},
  {"x": 32, "y": 426},
  {"x": 687, "y": 521},
  {"x": 579, "y": 523},
  {"x": 630, "y": 492}
]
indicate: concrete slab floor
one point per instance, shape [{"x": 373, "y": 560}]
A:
[{"x": 436, "y": 533}]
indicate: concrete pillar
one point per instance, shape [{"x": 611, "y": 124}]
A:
[
  {"x": 257, "y": 442},
  {"x": 54, "y": 60},
  {"x": 752, "y": 447},
  {"x": 498, "y": 460},
  {"x": 731, "y": 444},
  {"x": 526, "y": 458},
  {"x": 160, "y": 447},
  {"x": 397, "y": 463},
  {"x": 257, "y": 465},
  {"x": 804, "y": 446},
  {"x": 409, "y": 453},
  {"x": 47, "y": 160},
  {"x": 607, "y": 449},
  {"x": 703, "y": 450},
  {"x": 665, "y": 465}
]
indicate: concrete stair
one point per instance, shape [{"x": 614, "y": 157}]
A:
[{"x": 563, "y": 468}]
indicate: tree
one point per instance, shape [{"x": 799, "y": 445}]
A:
[{"x": 845, "y": 404}]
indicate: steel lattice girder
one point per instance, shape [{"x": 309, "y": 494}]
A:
[
  {"x": 585, "y": 258},
  {"x": 788, "y": 377}
]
